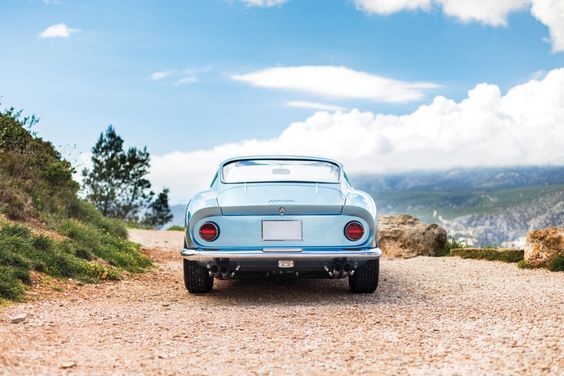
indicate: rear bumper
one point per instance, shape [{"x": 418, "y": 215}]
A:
[{"x": 259, "y": 255}]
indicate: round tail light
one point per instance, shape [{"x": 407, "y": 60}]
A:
[
  {"x": 209, "y": 231},
  {"x": 354, "y": 231}
]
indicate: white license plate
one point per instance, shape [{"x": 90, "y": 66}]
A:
[{"x": 282, "y": 230}]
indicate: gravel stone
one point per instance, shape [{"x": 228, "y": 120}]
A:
[{"x": 17, "y": 318}]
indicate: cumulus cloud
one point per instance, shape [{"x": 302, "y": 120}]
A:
[
  {"x": 264, "y": 3},
  {"x": 485, "y": 11},
  {"x": 58, "y": 31},
  {"x": 314, "y": 106},
  {"x": 336, "y": 82},
  {"x": 551, "y": 13},
  {"x": 489, "y": 12},
  {"x": 487, "y": 128}
]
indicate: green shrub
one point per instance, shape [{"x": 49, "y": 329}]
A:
[
  {"x": 523, "y": 265},
  {"x": 86, "y": 212},
  {"x": 75, "y": 257},
  {"x": 557, "y": 264},
  {"x": 16, "y": 231},
  {"x": 450, "y": 244},
  {"x": 10, "y": 283}
]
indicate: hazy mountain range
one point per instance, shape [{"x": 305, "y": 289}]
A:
[{"x": 487, "y": 206}]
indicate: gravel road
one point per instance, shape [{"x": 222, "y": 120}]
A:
[{"x": 429, "y": 316}]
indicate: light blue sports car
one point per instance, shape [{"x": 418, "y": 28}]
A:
[{"x": 280, "y": 215}]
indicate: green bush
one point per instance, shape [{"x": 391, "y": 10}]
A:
[
  {"x": 117, "y": 251},
  {"x": 10, "y": 282},
  {"x": 451, "y": 243},
  {"x": 21, "y": 252},
  {"x": 34, "y": 177},
  {"x": 557, "y": 264}
]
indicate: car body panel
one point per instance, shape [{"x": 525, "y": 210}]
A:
[{"x": 238, "y": 209}]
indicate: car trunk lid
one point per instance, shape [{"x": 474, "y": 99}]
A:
[{"x": 281, "y": 198}]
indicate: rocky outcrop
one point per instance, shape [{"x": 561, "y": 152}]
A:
[
  {"x": 406, "y": 236},
  {"x": 544, "y": 245}
]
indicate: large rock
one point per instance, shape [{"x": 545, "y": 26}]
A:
[
  {"x": 406, "y": 236},
  {"x": 543, "y": 245}
]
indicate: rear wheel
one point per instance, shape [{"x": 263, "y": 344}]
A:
[
  {"x": 196, "y": 277},
  {"x": 365, "y": 278}
]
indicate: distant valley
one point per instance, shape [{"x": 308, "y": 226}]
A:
[{"x": 489, "y": 206}]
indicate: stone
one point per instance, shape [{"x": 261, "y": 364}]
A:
[
  {"x": 542, "y": 246},
  {"x": 405, "y": 236},
  {"x": 16, "y": 319},
  {"x": 67, "y": 365}
]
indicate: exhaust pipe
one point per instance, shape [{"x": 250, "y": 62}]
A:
[
  {"x": 346, "y": 270},
  {"x": 224, "y": 272},
  {"x": 341, "y": 271},
  {"x": 214, "y": 271}
]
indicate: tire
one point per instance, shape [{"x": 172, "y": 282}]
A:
[
  {"x": 365, "y": 278},
  {"x": 196, "y": 277}
]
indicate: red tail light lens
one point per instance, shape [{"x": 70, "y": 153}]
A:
[
  {"x": 354, "y": 231},
  {"x": 209, "y": 231}
]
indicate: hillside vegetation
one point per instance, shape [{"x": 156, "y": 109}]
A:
[{"x": 44, "y": 226}]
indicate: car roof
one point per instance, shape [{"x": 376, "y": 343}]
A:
[{"x": 281, "y": 157}]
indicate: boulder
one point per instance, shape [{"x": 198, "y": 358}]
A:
[
  {"x": 543, "y": 245},
  {"x": 406, "y": 236}
]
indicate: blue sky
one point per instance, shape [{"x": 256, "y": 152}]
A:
[{"x": 165, "y": 73}]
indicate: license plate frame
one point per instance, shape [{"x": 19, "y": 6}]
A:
[{"x": 282, "y": 230}]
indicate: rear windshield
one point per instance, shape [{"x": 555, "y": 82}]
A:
[{"x": 278, "y": 170}]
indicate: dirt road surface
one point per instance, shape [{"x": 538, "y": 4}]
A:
[{"x": 429, "y": 316}]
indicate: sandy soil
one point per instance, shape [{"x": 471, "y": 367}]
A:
[{"x": 429, "y": 316}]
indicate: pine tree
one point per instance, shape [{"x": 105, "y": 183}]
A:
[
  {"x": 159, "y": 213},
  {"x": 116, "y": 184}
]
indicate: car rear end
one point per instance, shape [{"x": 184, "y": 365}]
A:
[{"x": 310, "y": 229}]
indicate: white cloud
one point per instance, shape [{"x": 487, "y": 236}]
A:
[
  {"x": 179, "y": 77},
  {"x": 336, "y": 82},
  {"x": 489, "y": 12},
  {"x": 391, "y": 6},
  {"x": 264, "y": 3},
  {"x": 186, "y": 80},
  {"x": 314, "y": 106},
  {"x": 58, "y": 31},
  {"x": 522, "y": 127},
  {"x": 156, "y": 76},
  {"x": 551, "y": 13}
]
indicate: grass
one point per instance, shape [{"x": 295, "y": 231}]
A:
[
  {"x": 175, "y": 228},
  {"x": 451, "y": 243},
  {"x": 89, "y": 254},
  {"x": 492, "y": 254}
]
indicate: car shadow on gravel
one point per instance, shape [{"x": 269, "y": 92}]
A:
[{"x": 392, "y": 289}]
